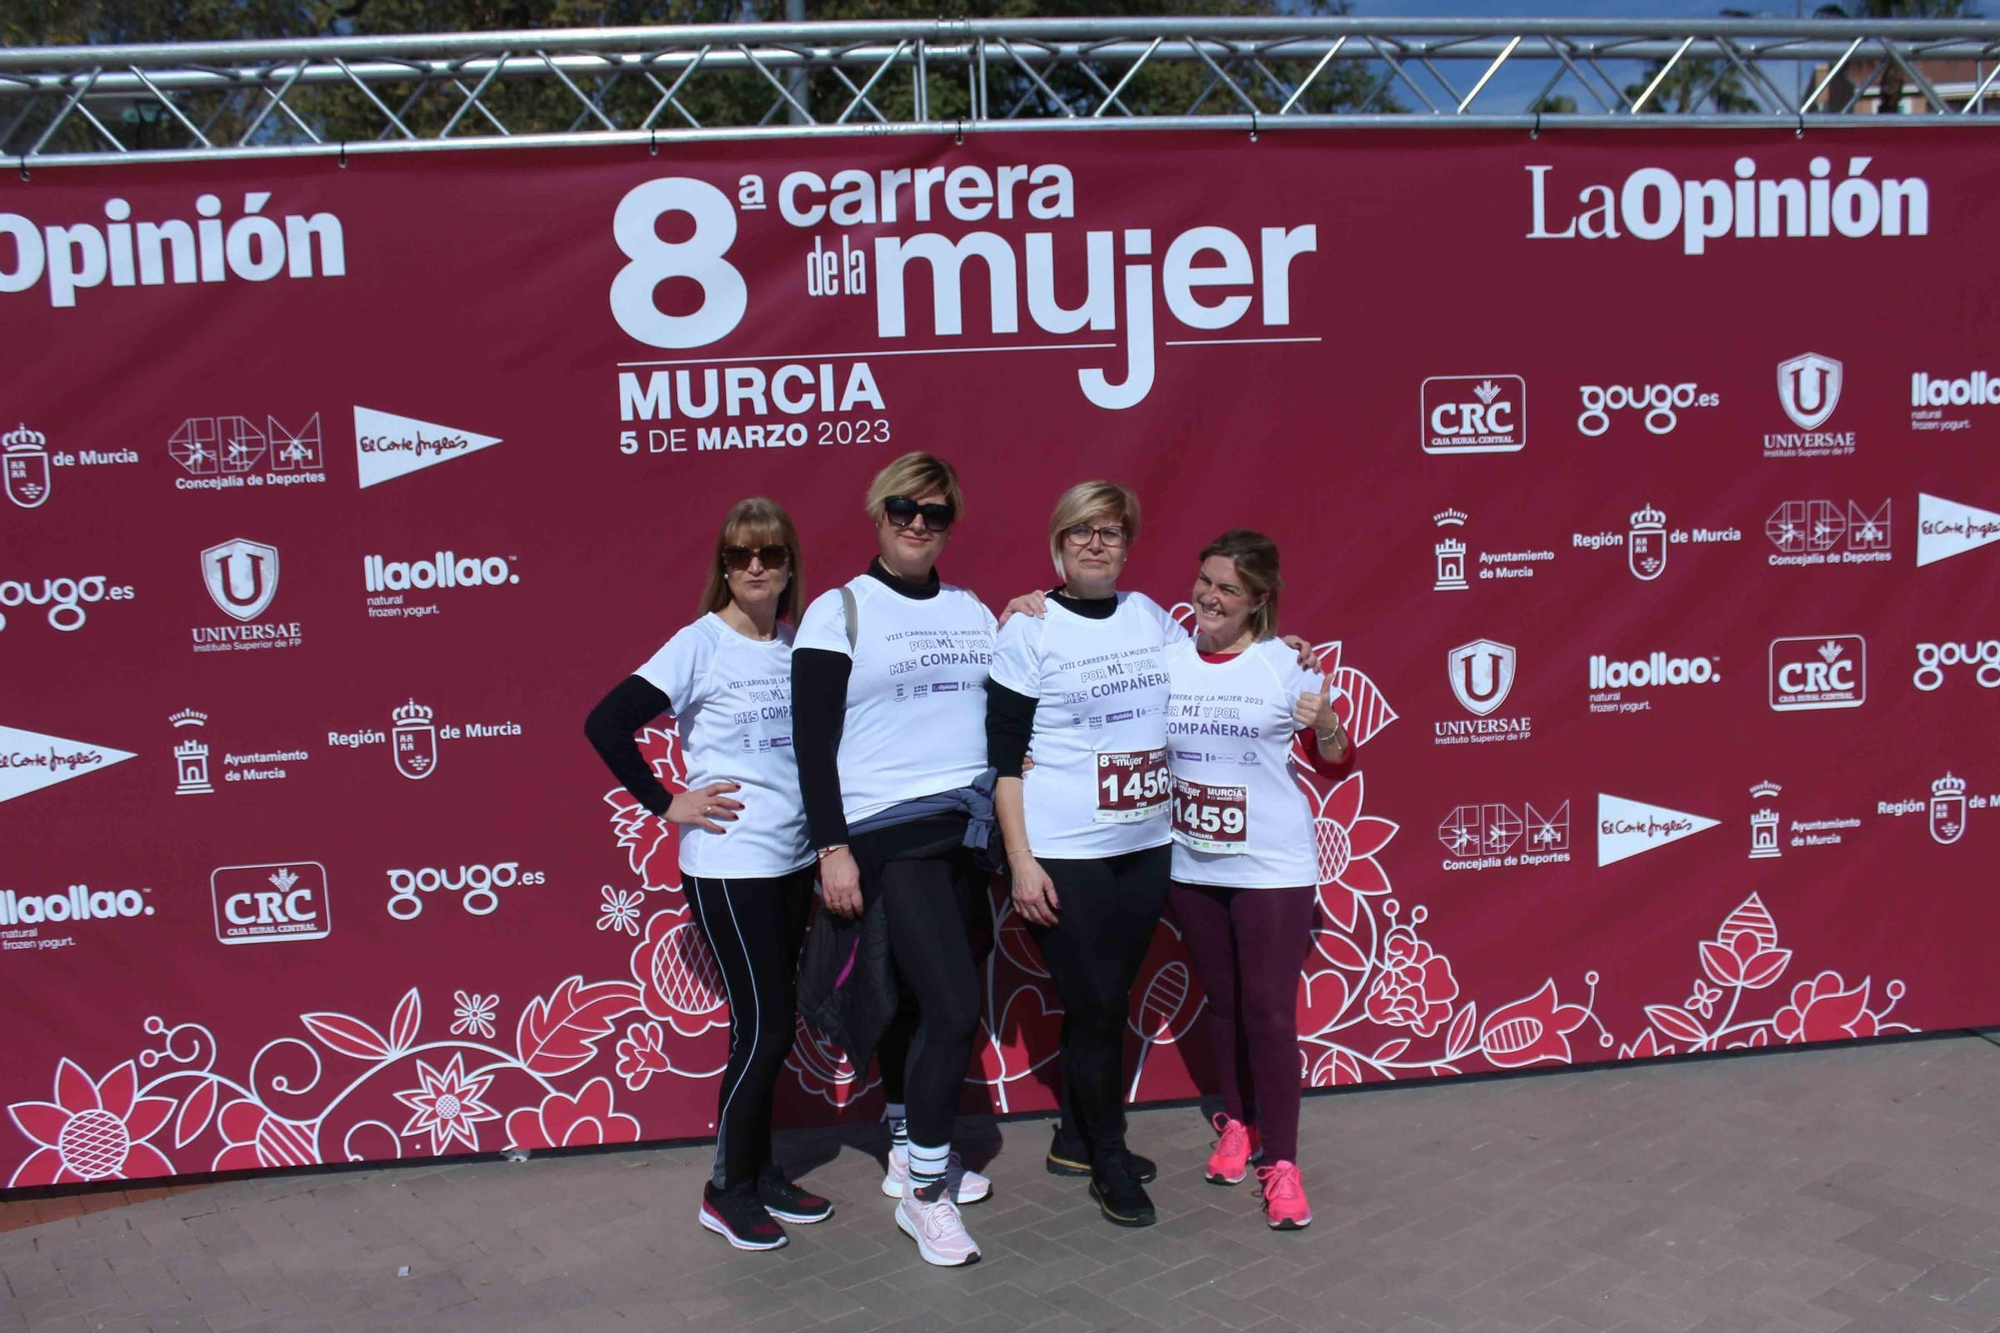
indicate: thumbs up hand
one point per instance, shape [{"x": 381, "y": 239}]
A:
[{"x": 1315, "y": 707}]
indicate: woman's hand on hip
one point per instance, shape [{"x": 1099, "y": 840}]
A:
[{"x": 702, "y": 806}]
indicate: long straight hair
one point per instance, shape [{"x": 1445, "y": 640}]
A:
[{"x": 757, "y": 522}]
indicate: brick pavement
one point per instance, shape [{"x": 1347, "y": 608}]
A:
[{"x": 1852, "y": 1188}]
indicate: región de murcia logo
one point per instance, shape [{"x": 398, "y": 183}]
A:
[
  {"x": 1647, "y": 539},
  {"x": 25, "y": 463},
  {"x": 1945, "y": 811}
]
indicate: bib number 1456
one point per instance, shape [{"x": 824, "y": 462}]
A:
[
  {"x": 1211, "y": 819},
  {"x": 1131, "y": 785}
]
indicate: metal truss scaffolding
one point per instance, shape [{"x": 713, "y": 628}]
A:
[{"x": 192, "y": 101}]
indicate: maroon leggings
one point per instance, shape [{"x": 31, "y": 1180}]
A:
[{"x": 1248, "y": 946}]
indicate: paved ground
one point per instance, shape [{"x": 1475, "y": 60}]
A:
[{"x": 1847, "y": 1188}]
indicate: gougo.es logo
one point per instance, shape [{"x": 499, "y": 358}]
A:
[{"x": 65, "y": 598}]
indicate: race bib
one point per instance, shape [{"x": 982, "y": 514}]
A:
[
  {"x": 1211, "y": 819},
  {"x": 1132, "y": 785}
]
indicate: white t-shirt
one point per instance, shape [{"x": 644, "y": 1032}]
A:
[
  {"x": 1099, "y": 786},
  {"x": 732, "y": 696},
  {"x": 916, "y": 697},
  {"x": 1240, "y": 818}
]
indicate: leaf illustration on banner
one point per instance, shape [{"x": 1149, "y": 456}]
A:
[
  {"x": 1389, "y": 1050},
  {"x": 1460, "y": 1041},
  {"x": 195, "y": 1114},
  {"x": 347, "y": 1035},
  {"x": 1164, "y": 998},
  {"x": 1027, "y": 1026},
  {"x": 1677, "y": 1023},
  {"x": 1724, "y": 968},
  {"x": 1766, "y": 967},
  {"x": 1015, "y": 942},
  {"x": 1322, "y": 1000},
  {"x": 1336, "y": 1068},
  {"x": 404, "y": 1022},
  {"x": 1339, "y": 950},
  {"x": 559, "y": 1034}
]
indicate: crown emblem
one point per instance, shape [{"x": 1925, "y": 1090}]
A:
[
  {"x": 189, "y": 717},
  {"x": 1948, "y": 786},
  {"x": 412, "y": 712},
  {"x": 1828, "y": 651},
  {"x": 1450, "y": 518},
  {"x": 1765, "y": 789},
  {"x": 1649, "y": 517},
  {"x": 283, "y": 879},
  {"x": 23, "y": 438},
  {"x": 1486, "y": 392}
]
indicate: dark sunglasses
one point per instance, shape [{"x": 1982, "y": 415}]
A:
[
  {"x": 773, "y": 557},
  {"x": 901, "y": 509}
]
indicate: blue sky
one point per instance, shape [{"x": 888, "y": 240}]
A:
[{"x": 1516, "y": 83}]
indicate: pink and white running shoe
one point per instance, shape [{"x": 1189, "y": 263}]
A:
[
  {"x": 1236, "y": 1144},
  {"x": 1285, "y": 1207}
]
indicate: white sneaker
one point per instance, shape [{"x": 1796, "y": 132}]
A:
[
  {"x": 961, "y": 1185},
  {"x": 937, "y": 1230}
]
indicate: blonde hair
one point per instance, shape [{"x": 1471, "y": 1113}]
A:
[
  {"x": 757, "y": 522},
  {"x": 1256, "y": 559},
  {"x": 1093, "y": 500},
  {"x": 911, "y": 476}
]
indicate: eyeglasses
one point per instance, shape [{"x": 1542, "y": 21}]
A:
[
  {"x": 1111, "y": 534},
  {"x": 901, "y": 509},
  {"x": 772, "y": 557}
]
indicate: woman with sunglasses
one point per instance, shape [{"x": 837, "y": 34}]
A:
[
  {"x": 746, "y": 866},
  {"x": 887, "y": 690},
  {"x": 1085, "y": 687},
  {"x": 1245, "y": 859}
]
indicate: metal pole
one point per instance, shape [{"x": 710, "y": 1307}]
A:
[{"x": 795, "y": 12}]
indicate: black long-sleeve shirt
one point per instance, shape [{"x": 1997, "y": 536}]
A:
[
  {"x": 819, "y": 712},
  {"x": 611, "y": 728},
  {"x": 1010, "y": 715}
]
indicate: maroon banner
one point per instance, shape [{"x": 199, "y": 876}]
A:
[{"x": 1639, "y": 488}]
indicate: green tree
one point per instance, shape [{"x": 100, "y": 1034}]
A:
[{"x": 1891, "y": 100}]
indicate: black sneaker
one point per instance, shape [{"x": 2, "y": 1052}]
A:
[
  {"x": 1068, "y": 1157},
  {"x": 1119, "y": 1195},
  {"x": 737, "y": 1217},
  {"x": 785, "y": 1201}
]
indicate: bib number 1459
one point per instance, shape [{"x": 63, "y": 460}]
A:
[{"x": 1211, "y": 819}]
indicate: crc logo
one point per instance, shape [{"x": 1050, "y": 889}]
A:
[
  {"x": 1809, "y": 527},
  {"x": 1662, "y": 404},
  {"x": 1495, "y": 829},
  {"x": 1474, "y": 414},
  {"x": 1481, "y": 674},
  {"x": 65, "y": 598},
  {"x": 242, "y": 576},
  {"x": 1809, "y": 388},
  {"x": 1818, "y": 671},
  {"x": 230, "y": 446},
  {"x": 1933, "y": 658},
  {"x": 477, "y": 885},
  {"x": 271, "y": 903}
]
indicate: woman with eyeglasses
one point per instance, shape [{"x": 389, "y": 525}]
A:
[
  {"x": 888, "y": 692},
  {"x": 1245, "y": 859},
  {"x": 1084, "y": 686},
  {"x": 747, "y": 867}
]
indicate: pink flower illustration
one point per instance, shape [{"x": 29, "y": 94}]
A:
[
  {"x": 1821, "y": 1011},
  {"x": 679, "y": 980},
  {"x": 253, "y": 1137},
  {"x": 1348, "y": 841},
  {"x": 1415, "y": 987},
  {"x": 651, "y": 844},
  {"x": 572, "y": 1122},
  {"x": 640, "y": 1056},
  {"x": 1645, "y": 1048},
  {"x": 447, "y": 1106},
  {"x": 1531, "y": 1031},
  {"x": 92, "y": 1130}
]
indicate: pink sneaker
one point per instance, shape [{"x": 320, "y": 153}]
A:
[
  {"x": 1235, "y": 1145},
  {"x": 1285, "y": 1207}
]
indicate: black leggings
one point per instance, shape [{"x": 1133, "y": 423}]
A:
[
  {"x": 754, "y": 928},
  {"x": 939, "y": 922},
  {"x": 1105, "y": 916}
]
